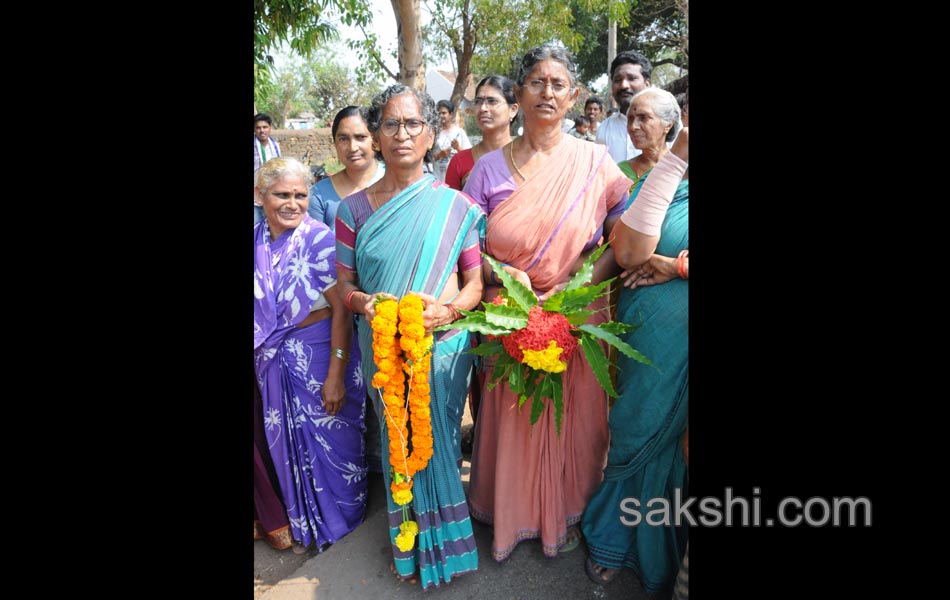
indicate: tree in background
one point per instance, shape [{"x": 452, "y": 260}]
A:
[
  {"x": 321, "y": 84},
  {"x": 490, "y": 36},
  {"x": 304, "y": 26},
  {"x": 656, "y": 28}
]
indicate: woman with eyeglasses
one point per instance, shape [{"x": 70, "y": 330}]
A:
[
  {"x": 551, "y": 199},
  {"x": 496, "y": 109},
  {"x": 409, "y": 233}
]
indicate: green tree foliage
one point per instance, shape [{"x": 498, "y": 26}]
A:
[
  {"x": 490, "y": 36},
  {"x": 304, "y": 26},
  {"x": 320, "y": 84},
  {"x": 656, "y": 28}
]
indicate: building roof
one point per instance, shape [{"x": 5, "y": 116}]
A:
[{"x": 450, "y": 76}]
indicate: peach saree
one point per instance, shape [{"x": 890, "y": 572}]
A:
[{"x": 528, "y": 481}]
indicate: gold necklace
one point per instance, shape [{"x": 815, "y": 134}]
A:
[{"x": 511, "y": 156}]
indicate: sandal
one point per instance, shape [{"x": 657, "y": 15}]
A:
[
  {"x": 573, "y": 539},
  {"x": 408, "y": 579},
  {"x": 599, "y": 574}
]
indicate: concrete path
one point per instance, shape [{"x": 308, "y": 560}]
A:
[{"x": 357, "y": 567}]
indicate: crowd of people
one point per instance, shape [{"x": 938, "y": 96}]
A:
[{"x": 328, "y": 255}]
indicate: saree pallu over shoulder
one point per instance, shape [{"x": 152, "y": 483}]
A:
[
  {"x": 412, "y": 242},
  {"x": 578, "y": 186},
  {"x": 290, "y": 274}
]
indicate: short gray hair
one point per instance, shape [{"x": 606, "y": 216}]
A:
[
  {"x": 278, "y": 168},
  {"x": 429, "y": 113},
  {"x": 665, "y": 107},
  {"x": 547, "y": 51}
]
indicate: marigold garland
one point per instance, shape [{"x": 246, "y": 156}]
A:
[{"x": 409, "y": 355}]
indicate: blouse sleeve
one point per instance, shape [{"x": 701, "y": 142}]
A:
[
  {"x": 475, "y": 186},
  {"x": 345, "y": 238},
  {"x": 317, "y": 207},
  {"x": 452, "y": 177}
]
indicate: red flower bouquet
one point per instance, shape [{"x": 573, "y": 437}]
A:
[{"x": 534, "y": 342}]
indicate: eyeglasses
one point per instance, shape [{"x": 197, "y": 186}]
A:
[
  {"x": 558, "y": 88},
  {"x": 413, "y": 127},
  {"x": 491, "y": 101}
]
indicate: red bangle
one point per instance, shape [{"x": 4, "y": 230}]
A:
[
  {"x": 348, "y": 297},
  {"x": 456, "y": 315},
  {"x": 681, "y": 267}
]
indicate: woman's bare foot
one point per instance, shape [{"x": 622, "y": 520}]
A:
[
  {"x": 410, "y": 579},
  {"x": 300, "y": 548},
  {"x": 599, "y": 574}
]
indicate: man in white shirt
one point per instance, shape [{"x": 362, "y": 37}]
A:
[
  {"x": 265, "y": 148},
  {"x": 629, "y": 73}
]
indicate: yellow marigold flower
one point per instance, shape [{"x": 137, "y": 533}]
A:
[
  {"x": 409, "y": 527},
  {"x": 407, "y": 344},
  {"x": 546, "y": 360},
  {"x": 405, "y": 542},
  {"x": 402, "y": 497},
  {"x": 414, "y": 330}
]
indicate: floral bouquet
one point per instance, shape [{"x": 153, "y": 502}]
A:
[
  {"x": 400, "y": 357},
  {"x": 534, "y": 342}
]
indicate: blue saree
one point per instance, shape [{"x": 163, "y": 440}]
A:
[
  {"x": 647, "y": 421},
  {"x": 412, "y": 243}
]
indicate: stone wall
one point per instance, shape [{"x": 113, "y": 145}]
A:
[{"x": 297, "y": 142}]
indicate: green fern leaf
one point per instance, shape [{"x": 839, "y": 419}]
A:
[
  {"x": 516, "y": 290},
  {"x": 598, "y": 362}
]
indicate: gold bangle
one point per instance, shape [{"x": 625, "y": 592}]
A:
[{"x": 341, "y": 354}]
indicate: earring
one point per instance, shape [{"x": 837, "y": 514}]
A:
[{"x": 376, "y": 148}]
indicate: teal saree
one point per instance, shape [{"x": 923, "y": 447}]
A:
[
  {"x": 647, "y": 422},
  {"x": 410, "y": 244}
]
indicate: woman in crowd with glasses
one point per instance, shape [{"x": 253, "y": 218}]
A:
[
  {"x": 495, "y": 109},
  {"x": 550, "y": 198},
  {"x": 409, "y": 233}
]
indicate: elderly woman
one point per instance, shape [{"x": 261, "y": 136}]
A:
[
  {"x": 354, "y": 148},
  {"x": 550, "y": 198},
  {"x": 650, "y": 130},
  {"x": 409, "y": 233},
  {"x": 647, "y": 422},
  {"x": 496, "y": 109},
  {"x": 450, "y": 140},
  {"x": 309, "y": 376}
]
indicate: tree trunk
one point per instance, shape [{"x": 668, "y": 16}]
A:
[
  {"x": 412, "y": 68},
  {"x": 611, "y": 55},
  {"x": 463, "y": 54}
]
